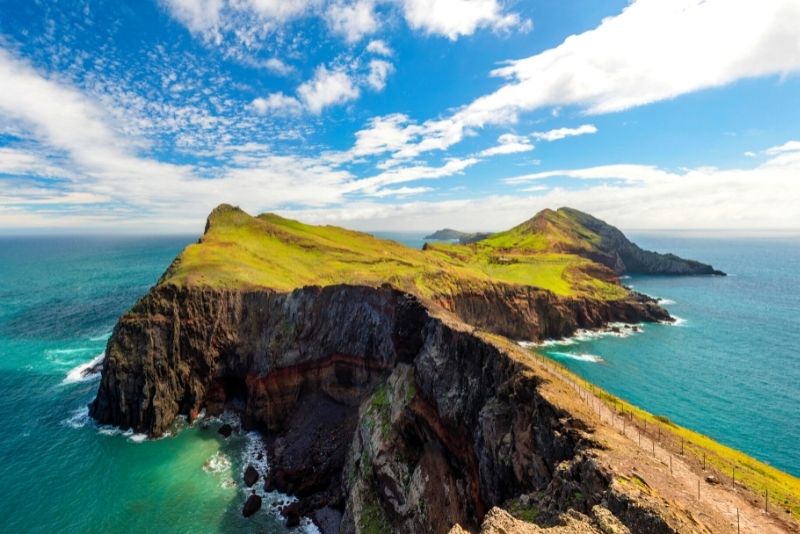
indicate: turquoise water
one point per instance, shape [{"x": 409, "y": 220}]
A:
[
  {"x": 731, "y": 370},
  {"x": 59, "y": 299}
]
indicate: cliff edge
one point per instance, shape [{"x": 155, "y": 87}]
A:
[{"x": 382, "y": 377}]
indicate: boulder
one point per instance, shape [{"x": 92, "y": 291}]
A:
[
  {"x": 251, "y": 505},
  {"x": 226, "y": 430},
  {"x": 250, "y": 476}
]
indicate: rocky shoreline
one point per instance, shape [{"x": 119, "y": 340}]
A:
[{"x": 379, "y": 409}]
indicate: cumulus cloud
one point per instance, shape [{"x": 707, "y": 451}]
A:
[
  {"x": 278, "y": 67},
  {"x": 789, "y": 146},
  {"x": 243, "y": 20},
  {"x": 652, "y": 51},
  {"x": 248, "y": 23},
  {"x": 199, "y": 16},
  {"x": 352, "y": 20},
  {"x": 455, "y": 18},
  {"x": 379, "y": 71},
  {"x": 278, "y": 104},
  {"x": 379, "y": 47},
  {"x": 509, "y": 144},
  {"x": 326, "y": 88},
  {"x": 561, "y": 133}
]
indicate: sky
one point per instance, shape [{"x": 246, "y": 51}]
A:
[{"x": 140, "y": 116}]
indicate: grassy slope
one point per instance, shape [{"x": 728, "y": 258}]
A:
[
  {"x": 270, "y": 251},
  {"x": 783, "y": 488},
  {"x": 239, "y": 250}
]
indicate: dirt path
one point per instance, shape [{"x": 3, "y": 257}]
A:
[{"x": 720, "y": 507}]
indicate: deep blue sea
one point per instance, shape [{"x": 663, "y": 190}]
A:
[{"x": 730, "y": 369}]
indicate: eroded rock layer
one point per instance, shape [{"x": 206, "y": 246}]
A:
[{"x": 380, "y": 412}]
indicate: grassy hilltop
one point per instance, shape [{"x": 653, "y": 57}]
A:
[{"x": 240, "y": 250}]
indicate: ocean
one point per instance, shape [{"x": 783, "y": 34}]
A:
[{"x": 729, "y": 369}]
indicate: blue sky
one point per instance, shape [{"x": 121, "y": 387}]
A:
[{"x": 141, "y": 116}]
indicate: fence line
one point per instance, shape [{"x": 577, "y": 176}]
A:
[{"x": 694, "y": 456}]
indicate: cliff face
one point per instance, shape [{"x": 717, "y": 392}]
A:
[
  {"x": 373, "y": 406},
  {"x": 179, "y": 350},
  {"x": 397, "y": 407},
  {"x": 617, "y": 252}
]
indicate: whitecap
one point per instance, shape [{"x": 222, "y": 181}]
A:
[
  {"x": 80, "y": 373},
  {"x": 255, "y": 453},
  {"x": 76, "y": 350},
  {"x": 679, "y": 321},
  {"x": 101, "y": 337},
  {"x": 137, "y": 438},
  {"x": 218, "y": 463},
  {"x": 621, "y": 330},
  {"x": 580, "y": 356},
  {"x": 666, "y": 302},
  {"x": 79, "y": 418}
]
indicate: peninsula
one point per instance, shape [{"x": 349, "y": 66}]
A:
[{"x": 388, "y": 382}]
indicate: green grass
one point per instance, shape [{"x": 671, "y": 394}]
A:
[
  {"x": 783, "y": 488},
  {"x": 372, "y": 519},
  {"x": 269, "y": 251},
  {"x": 527, "y": 513},
  {"x": 380, "y": 407}
]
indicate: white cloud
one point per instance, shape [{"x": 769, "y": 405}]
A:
[
  {"x": 379, "y": 47},
  {"x": 238, "y": 26},
  {"x": 389, "y": 133},
  {"x": 750, "y": 154},
  {"x": 652, "y": 51},
  {"x": 199, "y": 16},
  {"x": 763, "y": 198},
  {"x": 278, "y": 67},
  {"x": 410, "y": 174},
  {"x": 455, "y": 18},
  {"x": 326, "y": 88},
  {"x": 628, "y": 173},
  {"x": 127, "y": 190},
  {"x": 278, "y": 104},
  {"x": 27, "y": 163},
  {"x": 352, "y": 20},
  {"x": 401, "y": 192},
  {"x": 379, "y": 71},
  {"x": 509, "y": 144},
  {"x": 561, "y": 133},
  {"x": 789, "y": 146}
]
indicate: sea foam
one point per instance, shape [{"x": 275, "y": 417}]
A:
[
  {"x": 79, "y": 372},
  {"x": 580, "y": 356},
  {"x": 79, "y": 418},
  {"x": 255, "y": 453}
]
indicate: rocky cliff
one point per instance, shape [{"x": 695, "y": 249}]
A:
[
  {"x": 616, "y": 251},
  {"x": 384, "y": 409}
]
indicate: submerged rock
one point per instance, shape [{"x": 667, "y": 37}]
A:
[{"x": 226, "y": 430}]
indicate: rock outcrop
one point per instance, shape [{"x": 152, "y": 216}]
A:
[
  {"x": 375, "y": 407},
  {"x": 396, "y": 407},
  {"x": 616, "y": 251}
]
